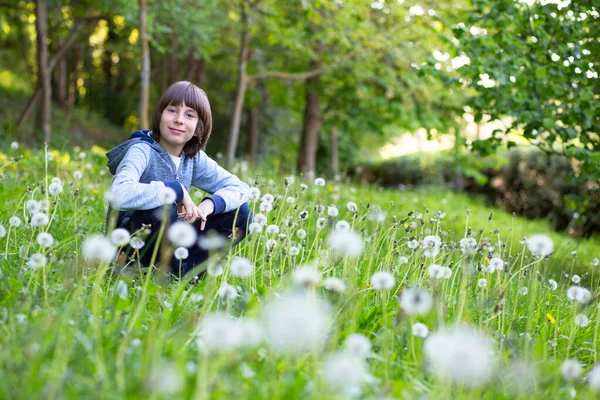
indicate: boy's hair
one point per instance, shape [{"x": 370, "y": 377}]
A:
[{"x": 193, "y": 97}]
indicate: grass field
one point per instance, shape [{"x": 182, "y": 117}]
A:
[{"x": 412, "y": 294}]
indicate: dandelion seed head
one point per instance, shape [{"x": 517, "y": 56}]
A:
[
  {"x": 2, "y": 231},
  {"x": 358, "y": 345},
  {"x": 468, "y": 245},
  {"x": 45, "y": 239},
  {"x": 319, "y": 182},
  {"x": 120, "y": 237},
  {"x": 55, "y": 188},
  {"x": 136, "y": 243},
  {"x": 254, "y": 193},
  {"x": 215, "y": 269},
  {"x": 402, "y": 260},
  {"x": 167, "y": 195},
  {"x": 482, "y": 283},
  {"x": 436, "y": 271},
  {"x": 294, "y": 251},
  {"x": 268, "y": 198},
  {"x": 290, "y": 200},
  {"x": 540, "y": 245},
  {"x": 181, "y": 253},
  {"x": 496, "y": 264},
  {"x": 523, "y": 291},
  {"x": 37, "y": 261},
  {"x": 334, "y": 284},
  {"x": 571, "y": 369},
  {"x": 412, "y": 244},
  {"x": 32, "y": 207},
  {"x": 99, "y": 248},
  {"x": 595, "y": 262},
  {"x": 227, "y": 292},
  {"x": 306, "y": 276},
  {"x": 342, "y": 226},
  {"x": 579, "y": 294},
  {"x": 165, "y": 379},
  {"x": 121, "y": 289},
  {"x": 271, "y": 244},
  {"x": 414, "y": 301},
  {"x": 14, "y": 145},
  {"x": 181, "y": 234},
  {"x": 241, "y": 267},
  {"x": 321, "y": 223},
  {"x": 582, "y": 320},
  {"x": 575, "y": 279},
  {"x": 301, "y": 233},
  {"x": 431, "y": 245},
  {"x": 332, "y": 211},
  {"x": 352, "y": 207},
  {"x": 345, "y": 243},
  {"x": 345, "y": 373},
  {"x": 593, "y": 378},
  {"x": 265, "y": 207},
  {"x": 459, "y": 355},
  {"x": 552, "y": 284},
  {"x": 420, "y": 330},
  {"x": 254, "y": 228},
  {"x": 260, "y": 219},
  {"x": 77, "y": 175},
  {"x": 382, "y": 280},
  {"x": 296, "y": 323},
  {"x": 272, "y": 229},
  {"x": 40, "y": 219},
  {"x": 211, "y": 241}
]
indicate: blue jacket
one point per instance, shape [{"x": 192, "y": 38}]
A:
[{"x": 142, "y": 169}]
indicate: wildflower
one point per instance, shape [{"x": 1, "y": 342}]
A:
[
  {"x": 524, "y": 290},
  {"x": 306, "y": 276},
  {"x": 595, "y": 262},
  {"x": 352, "y": 207},
  {"x": 332, "y": 211},
  {"x": 319, "y": 182},
  {"x": 540, "y": 245},
  {"x": 99, "y": 248},
  {"x": 303, "y": 216},
  {"x": 268, "y": 198},
  {"x": 412, "y": 244},
  {"x": 121, "y": 290},
  {"x": 345, "y": 373},
  {"x": 482, "y": 283},
  {"x": 165, "y": 379},
  {"x": 37, "y": 261},
  {"x": 420, "y": 330},
  {"x": 431, "y": 245},
  {"x": 215, "y": 270},
  {"x": 301, "y": 233},
  {"x": 376, "y": 215},
  {"x": 260, "y": 219},
  {"x": 272, "y": 229},
  {"x": 14, "y": 145},
  {"x": 414, "y": 301},
  {"x": 254, "y": 193},
  {"x": 303, "y": 187},
  {"x": 576, "y": 279},
  {"x": 551, "y": 319},
  {"x": 44, "y": 205},
  {"x": 55, "y": 188},
  {"x": 593, "y": 378},
  {"x": 265, "y": 207},
  {"x": 571, "y": 369},
  {"x": 211, "y": 241},
  {"x": 553, "y": 284},
  {"x": 241, "y": 267},
  {"x": 290, "y": 200},
  {"x": 2, "y": 231},
  {"x": 336, "y": 285},
  {"x": 40, "y": 219},
  {"x": 358, "y": 345},
  {"x": 402, "y": 260},
  {"x": 459, "y": 355},
  {"x": 250, "y": 332},
  {"x": 120, "y": 237},
  {"x": 136, "y": 243},
  {"x": 167, "y": 195},
  {"x": 294, "y": 251},
  {"x": 227, "y": 292},
  {"x": 219, "y": 332},
  {"x": 447, "y": 272},
  {"x": 342, "y": 226},
  {"x": 82, "y": 155},
  {"x": 14, "y": 221},
  {"x": 296, "y": 323},
  {"x": 319, "y": 208},
  {"x": 582, "y": 320},
  {"x": 45, "y": 239},
  {"x": 436, "y": 271},
  {"x": 254, "y": 228},
  {"x": 579, "y": 294},
  {"x": 271, "y": 244},
  {"x": 77, "y": 175},
  {"x": 32, "y": 207},
  {"x": 468, "y": 245},
  {"x": 181, "y": 253},
  {"x": 321, "y": 223},
  {"x": 412, "y": 225},
  {"x": 496, "y": 264},
  {"x": 181, "y": 234},
  {"x": 345, "y": 243}
]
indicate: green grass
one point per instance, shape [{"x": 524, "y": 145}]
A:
[{"x": 68, "y": 332}]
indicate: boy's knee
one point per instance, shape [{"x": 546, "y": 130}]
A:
[{"x": 244, "y": 216}]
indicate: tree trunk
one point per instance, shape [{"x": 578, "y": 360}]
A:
[
  {"x": 252, "y": 144},
  {"x": 201, "y": 73},
  {"x": 72, "y": 87},
  {"x": 174, "y": 61},
  {"x": 43, "y": 116},
  {"x": 241, "y": 89},
  {"x": 164, "y": 73},
  {"x": 307, "y": 153},
  {"x": 145, "y": 73},
  {"x": 61, "y": 93},
  {"x": 334, "y": 152}
]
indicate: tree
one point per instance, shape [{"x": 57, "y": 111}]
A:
[{"x": 145, "y": 72}]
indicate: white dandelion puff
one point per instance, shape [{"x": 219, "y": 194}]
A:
[
  {"x": 265, "y": 207},
  {"x": 431, "y": 245},
  {"x": 254, "y": 228},
  {"x": 571, "y": 369},
  {"x": 40, "y": 219},
  {"x": 268, "y": 198},
  {"x": 345, "y": 373},
  {"x": 524, "y": 291},
  {"x": 332, "y": 211},
  {"x": 120, "y": 237},
  {"x": 345, "y": 243},
  {"x": 2, "y": 231},
  {"x": 271, "y": 244},
  {"x": 215, "y": 269},
  {"x": 272, "y": 229},
  {"x": 241, "y": 267},
  {"x": 136, "y": 243},
  {"x": 32, "y": 207},
  {"x": 352, "y": 207},
  {"x": 402, "y": 260},
  {"x": 552, "y": 284},
  {"x": 496, "y": 264},
  {"x": 382, "y": 280},
  {"x": 540, "y": 245},
  {"x": 575, "y": 279},
  {"x": 582, "y": 320},
  {"x": 482, "y": 283},
  {"x": 595, "y": 262},
  {"x": 436, "y": 271},
  {"x": 37, "y": 261},
  {"x": 306, "y": 276},
  {"x": 358, "y": 345},
  {"x": 414, "y": 301},
  {"x": 321, "y": 223},
  {"x": 165, "y": 379},
  {"x": 319, "y": 182},
  {"x": 342, "y": 226},
  {"x": 420, "y": 330},
  {"x": 211, "y": 241},
  {"x": 254, "y": 193},
  {"x": 260, "y": 219},
  {"x": 99, "y": 248},
  {"x": 167, "y": 195},
  {"x": 468, "y": 245},
  {"x": 294, "y": 251},
  {"x": 181, "y": 234},
  {"x": 459, "y": 355},
  {"x": 181, "y": 253},
  {"x": 121, "y": 289},
  {"x": 45, "y": 239},
  {"x": 593, "y": 378},
  {"x": 227, "y": 292},
  {"x": 55, "y": 188},
  {"x": 412, "y": 244},
  {"x": 14, "y": 145},
  {"x": 301, "y": 233},
  {"x": 579, "y": 294},
  {"x": 334, "y": 284}
]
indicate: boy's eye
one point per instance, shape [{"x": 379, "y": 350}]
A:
[{"x": 190, "y": 115}]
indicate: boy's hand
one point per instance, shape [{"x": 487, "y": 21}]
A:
[
  {"x": 191, "y": 211},
  {"x": 205, "y": 208}
]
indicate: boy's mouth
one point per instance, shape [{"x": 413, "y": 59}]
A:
[{"x": 176, "y": 130}]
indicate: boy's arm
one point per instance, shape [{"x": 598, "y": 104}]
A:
[
  {"x": 126, "y": 186},
  {"x": 227, "y": 191}
]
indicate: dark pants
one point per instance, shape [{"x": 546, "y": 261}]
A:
[{"x": 220, "y": 223}]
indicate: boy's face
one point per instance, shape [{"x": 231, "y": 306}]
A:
[{"x": 177, "y": 126}]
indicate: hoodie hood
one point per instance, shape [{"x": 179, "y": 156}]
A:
[{"x": 117, "y": 153}]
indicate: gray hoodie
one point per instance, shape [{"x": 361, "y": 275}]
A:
[{"x": 142, "y": 169}]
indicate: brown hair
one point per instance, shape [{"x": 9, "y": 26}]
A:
[{"x": 193, "y": 97}]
